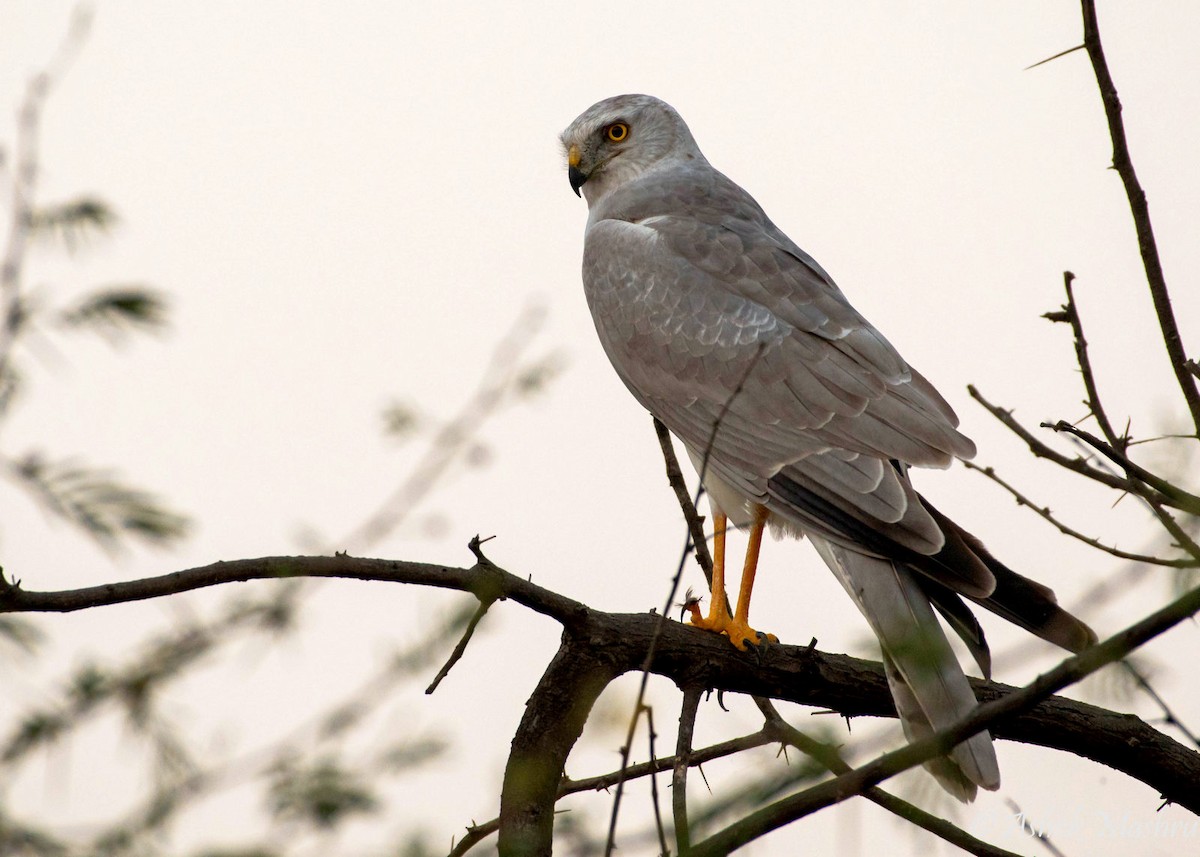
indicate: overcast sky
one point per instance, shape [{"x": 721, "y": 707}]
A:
[{"x": 350, "y": 204}]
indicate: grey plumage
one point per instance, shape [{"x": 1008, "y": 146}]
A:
[{"x": 694, "y": 290}]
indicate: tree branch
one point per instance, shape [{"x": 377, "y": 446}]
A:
[
  {"x": 831, "y": 759},
  {"x": 1123, "y": 164},
  {"x": 599, "y": 646},
  {"x": 1085, "y": 365},
  {"x": 1176, "y": 496},
  {"x": 989, "y": 714},
  {"x": 1045, "y": 513},
  {"x": 1041, "y": 450}
]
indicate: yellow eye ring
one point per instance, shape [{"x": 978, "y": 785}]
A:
[{"x": 617, "y": 132}]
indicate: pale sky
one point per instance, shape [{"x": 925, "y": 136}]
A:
[{"x": 349, "y": 204}]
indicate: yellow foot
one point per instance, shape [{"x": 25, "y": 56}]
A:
[{"x": 737, "y": 630}]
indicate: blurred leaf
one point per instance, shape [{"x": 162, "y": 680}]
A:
[
  {"x": 17, "y": 840},
  {"x": 400, "y": 421},
  {"x": 534, "y": 377},
  {"x": 115, "y": 312},
  {"x": 71, "y": 223},
  {"x": 323, "y": 795},
  {"x": 10, "y": 387},
  {"x": 173, "y": 762},
  {"x": 417, "y": 845},
  {"x": 250, "y": 851},
  {"x": 161, "y": 662},
  {"x": 88, "y": 687},
  {"x": 22, "y": 633},
  {"x": 38, "y": 728},
  {"x": 97, "y": 504},
  {"x": 478, "y": 455},
  {"x": 411, "y": 754}
]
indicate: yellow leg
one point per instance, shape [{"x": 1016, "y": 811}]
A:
[
  {"x": 741, "y": 615},
  {"x": 737, "y": 628}
]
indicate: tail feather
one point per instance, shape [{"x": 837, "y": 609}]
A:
[
  {"x": 958, "y": 616},
  {"x": 1020, "y": 600},
  {"x": 928, "y": 684},
  {"x": 946, "y": 770}
]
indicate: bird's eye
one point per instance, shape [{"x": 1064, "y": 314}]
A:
[{"x": 617, "y": 132}]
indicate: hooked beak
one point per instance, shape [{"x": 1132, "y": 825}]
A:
[{"x": 575, "y": 175}]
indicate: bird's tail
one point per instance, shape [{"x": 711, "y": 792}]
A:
[{"x": 927, "y": 682}]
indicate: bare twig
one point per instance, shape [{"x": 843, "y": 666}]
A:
[
  {"x": 855, "y": 782},
  {"x": 1173, "y": 494},
  {"x": 1034, "y": 830},
  {"x": 25, "y": 176},
  {"x": 696, "y": 758},
  {"x": 1085, "y": 366},
  {"x": 683, "y": 759},
  {"x": 797, "y": 674},
  {"x": 1044, "y": 512},
  {"x": 452, "y": 438},
  {"x": 832, "y": 760},
  {"x": 688, "y": 546},
  {"x": 1169, "y": 716},
  {"x": 1041, "y": 450},
  {"x": 695, "y": 522},
  {"x": 1056, "y": 56},
  {"x": 461, "y": 646},
  {"x": 476, "y": 833},
  {"x": 1123, "y": 164},
  {"x": 664, "y": 851},
  {"x": 567, "y": 786}
]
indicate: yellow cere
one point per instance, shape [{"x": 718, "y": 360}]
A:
[{"x": 573, "y": 156}]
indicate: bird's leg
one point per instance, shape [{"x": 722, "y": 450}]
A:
[
  {"x": 718, "y": 619},
  {"x": 739, "y": 630}
]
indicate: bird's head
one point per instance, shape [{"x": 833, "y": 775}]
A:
[{"x": 620, "y": 138}]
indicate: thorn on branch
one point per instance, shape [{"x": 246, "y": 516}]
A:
[
  {"x": 474, "y": 545},
  {"x": 1056, "y": 56}
]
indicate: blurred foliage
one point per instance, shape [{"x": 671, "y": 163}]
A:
[
  {"x": 536, "y": 376},
  {"x": 92, "y": 500},
  {"x": 97, "y": 504},
  {"x": 73, "y": 223},
  {"x": 322, "y": 794},
  {"x": 21, "y": 633},
  {"x": 117, "y": 311},
  {"x": 17, "y": 840},
  {"x": 400, "y": 421}
]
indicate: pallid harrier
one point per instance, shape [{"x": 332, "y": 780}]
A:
[{"x": 705, "y": 307}]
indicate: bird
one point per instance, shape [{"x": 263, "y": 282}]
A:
[{"x": 800, "y": 416}]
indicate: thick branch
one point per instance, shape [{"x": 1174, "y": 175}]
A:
[
  {"x": 850, "y": 686},
  {"x": 552, "y": 723}
]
